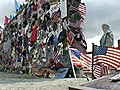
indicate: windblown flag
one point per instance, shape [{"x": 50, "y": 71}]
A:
[
  {"x": 107, "y": 55},
  {"x": 6, "y": 20},
  {"x": 17, "y": 6},
  {"x": 80, "y": 59},
  {"x": 75, "y": 57},
  {"x": 104, "y": 58}
]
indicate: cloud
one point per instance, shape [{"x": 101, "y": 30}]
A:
[{"x": 98, "y": 13}]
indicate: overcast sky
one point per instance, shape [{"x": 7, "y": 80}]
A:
[{"x": 98, "y": 13}]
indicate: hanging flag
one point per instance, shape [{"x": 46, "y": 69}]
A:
[
  {"x": 17, "y": 6},
  {"x": 100, "y": 70},
  {"x": 6, "y": 20},
  {"x": 79, "y": 7},
  {"x": 73, "y": 6},
  {"x": 82, "y": 9},
  {"x": 55, "y": 56},
  {"x": 56, "y": 16},
  {"x": 63, "y": 8}
]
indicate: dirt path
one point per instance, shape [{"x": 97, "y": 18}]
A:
[{"x": 23, "y": 82}]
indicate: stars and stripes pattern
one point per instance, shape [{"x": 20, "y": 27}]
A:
[
  {"x": 82, "y": 9},
  {"x": 55, "y": 56},
  {"x": 97, "y": 71},
  {"x": 87, "y": 60},
  {"x": 100, "y": 70},
  {"x": 56, "y": 16},
  {"x": 80, "y": 59},
  {"x": 106, "y": 57},
  {"x": 75, "y": 57}
]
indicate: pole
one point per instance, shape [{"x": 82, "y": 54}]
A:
[
  {"x": 92, "y": 59},
  {"x": 73, "y": 67}
]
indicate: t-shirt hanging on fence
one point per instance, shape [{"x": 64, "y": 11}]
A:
[
  {"x": 63, "y": 8},
  {"x": 34, "y": 34}
]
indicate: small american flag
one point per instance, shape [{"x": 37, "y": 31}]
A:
[
  {"x": 82, "y": 9},
  {"x": 56, "y": 16},
  {"x": 75, "y": 57},
  {"x": 97, "y": 71},
  {"x": 80, "y": 59},
  {"x": 55, "y": 56}
]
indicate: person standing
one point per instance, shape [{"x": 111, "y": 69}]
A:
[{"x": 107, "y": 38}]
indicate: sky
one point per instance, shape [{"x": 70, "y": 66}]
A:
[{"x": 98, "y": 12}]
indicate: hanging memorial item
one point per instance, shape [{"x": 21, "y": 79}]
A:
[{"x": 63, "y": 8}]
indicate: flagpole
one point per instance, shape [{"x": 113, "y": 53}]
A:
[
  {"x": 73, "y": 68},
  {"x": 92, "y": 60}
]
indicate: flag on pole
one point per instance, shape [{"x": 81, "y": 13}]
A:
[
  {"x": 17, "y": 6},
  {"x": 107, "y": 55},
  {"x": 80, "y": 59},
  {"x": 75, "y": 57},
  {"x": 6, "y": 20},
  {"x": 104, "y": 58}
]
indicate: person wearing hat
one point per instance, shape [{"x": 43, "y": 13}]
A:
[{"x": 107, "y": 38}]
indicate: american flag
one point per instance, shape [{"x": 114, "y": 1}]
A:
[
  {"x": 97, "y": 71},
  {"x": 100, "y": 70},
  {"x": 79, "y": 59},
  {"x": 106, "y": 57},
  {"x": 55, "y": 56},
  {"x": 82, "y": 9},
  {"x": 56, "y": 16}
]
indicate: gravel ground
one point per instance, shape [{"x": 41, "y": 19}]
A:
[{"x": 24, "y": 82}]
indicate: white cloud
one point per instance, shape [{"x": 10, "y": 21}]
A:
[{"x": 94, "y": 40}]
